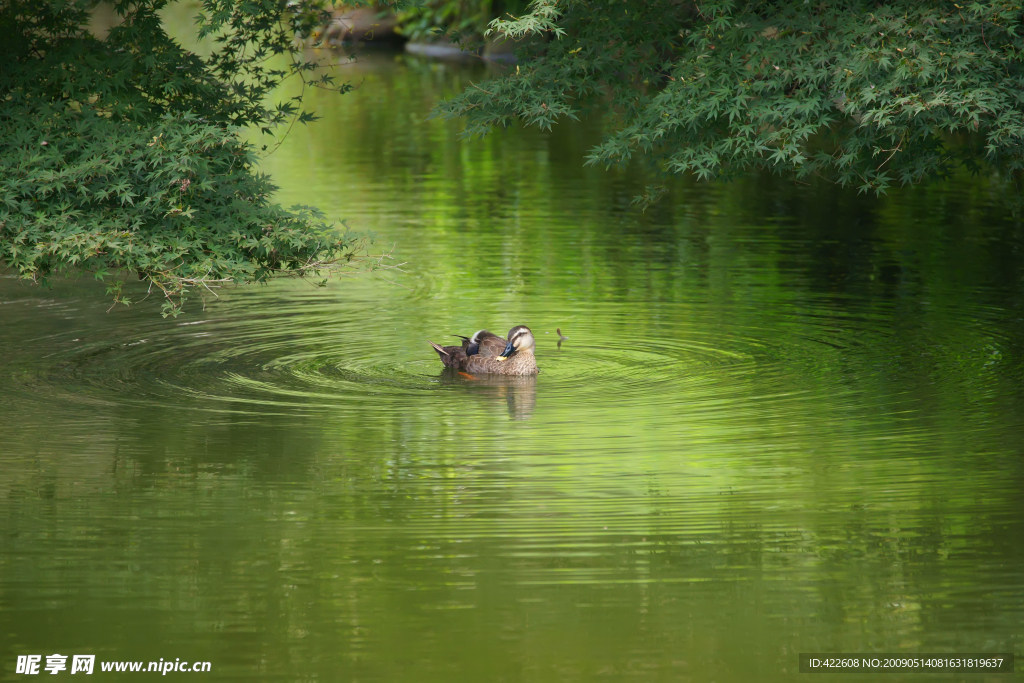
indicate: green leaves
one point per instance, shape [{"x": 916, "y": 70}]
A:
[
  {"x": 461, "y": 22},
  {"x": 122, "y": 156},
  {"x": 860, "y": 93}
]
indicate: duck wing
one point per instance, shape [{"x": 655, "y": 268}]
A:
[
  {"x": 489, "y": 345},
  {"x": 480, "y": 348}
]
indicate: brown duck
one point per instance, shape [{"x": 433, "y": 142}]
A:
[{"x": 487, "y": 353}]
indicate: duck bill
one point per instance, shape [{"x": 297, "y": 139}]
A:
[{"x": 509, "y": 350}]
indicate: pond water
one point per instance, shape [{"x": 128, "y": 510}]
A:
[{"x": 786, "y": 419}]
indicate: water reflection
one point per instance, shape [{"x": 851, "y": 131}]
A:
[{"x": 518, "y": 394}]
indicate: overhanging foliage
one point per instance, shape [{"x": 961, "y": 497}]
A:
[
  {"x": 121, "y": 155},
  {"x": 867, "y": 94}
]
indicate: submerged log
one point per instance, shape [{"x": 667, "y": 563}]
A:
[{"x": 495, "y": 51}]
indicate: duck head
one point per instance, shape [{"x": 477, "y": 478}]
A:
[{"x": 520, "y": 340}]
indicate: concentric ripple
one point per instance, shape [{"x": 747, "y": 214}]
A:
[{"x": 286, "y": 350}]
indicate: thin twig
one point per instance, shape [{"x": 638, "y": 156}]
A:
[{"x": 896, "y": 149}]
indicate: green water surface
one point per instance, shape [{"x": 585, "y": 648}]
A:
[{"x": 786, "y": 419}]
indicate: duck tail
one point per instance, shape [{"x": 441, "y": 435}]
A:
[
  {"x": 440, "y": 351},
  {"x": 451, "y": 356}
]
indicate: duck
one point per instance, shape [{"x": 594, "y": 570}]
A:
[{"x": 487, "y": 353}]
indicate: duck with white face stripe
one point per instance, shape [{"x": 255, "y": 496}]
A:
[
  {"x": 487, "y": 353},
  {"x": 520, "y": 340}
]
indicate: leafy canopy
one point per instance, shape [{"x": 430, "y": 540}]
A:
[
  {"x": 867, "y": 94},
  {"x": 121, "y": 155}
]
